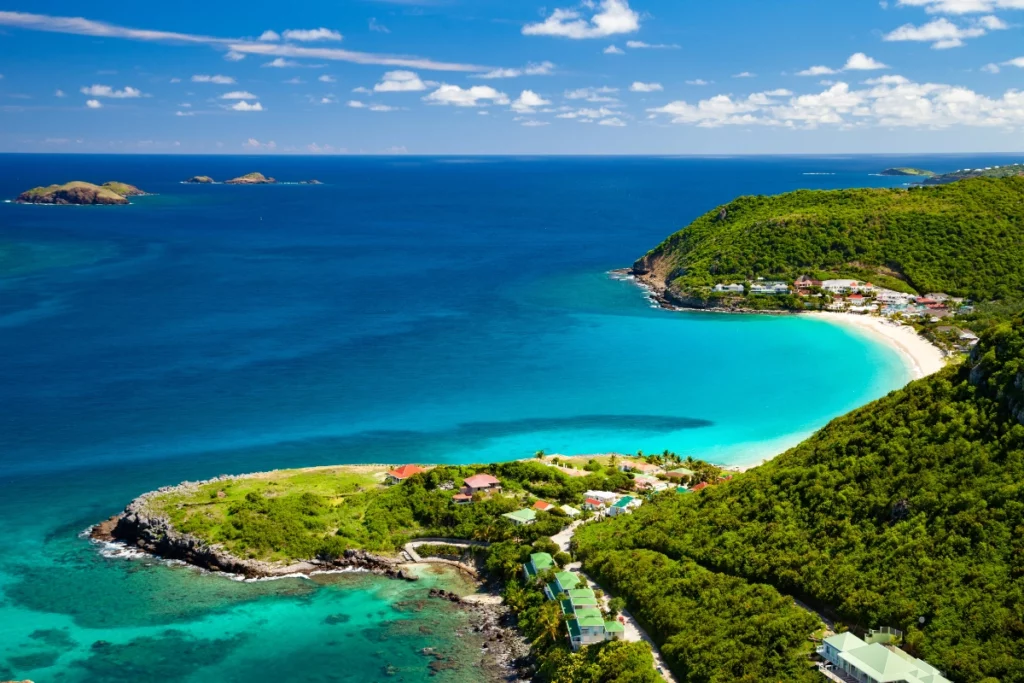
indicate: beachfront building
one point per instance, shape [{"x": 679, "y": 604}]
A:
[
  {"x": 521, "y": 517},
  {"x": 805, "y": 281},
  {"x": 769, "y": 288},
  {"x": 481, "y": 483},
  {"x": 876, "y": 662},
  {"x": 539, "y": 563},
  {"x": 892, "y": 297},
  {"x": 728, "y": 289},
  {"x": 563, "y": 583},
  {"x": 400, "y": 474},
  {"x": 624, "y": 506},
  {"x": 847, "y": 286},
  {"x": 587, "y": 626}
]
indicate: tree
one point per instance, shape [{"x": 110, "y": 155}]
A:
[
  {"x": 539, "y": 455},
  {"x": 616, "y": 605},
  {"x": 548, "y": 624}
]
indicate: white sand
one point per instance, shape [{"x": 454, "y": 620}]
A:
[{"x": 922, "y": 357}]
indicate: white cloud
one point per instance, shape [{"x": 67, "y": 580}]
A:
[
  {"x": 534, "y": 123},
  {"x": 1018, "y": 62},
  {"x": 887, "y": 80},
  {"x": 270, "y": 36},
  {"x": 238, "y": 95},
  {"x": 641, "y": 45},
  {"x": 478, "y": 95},
  {"x": 610, "y": 17},
  {"x": 586, "y": 114},
  {"x": 962, "y": 6},
  {"x": 861, "y": 62},
  {"x": 528, "y": 101},
  {"x": 356, "y": 104},
  {"x": 175, "y": 80},
  {"x": 106, "y": 91},
  {"x": 59, "y": 93},
  {"x": 603, "y": 94},
  {"x": 233, "y": 56},
  {"x": 531, "y": 69},
  {"x": 991, "y": 68},
  {"x": 245, "y": 106},
  {"x": 311, "y": 35},
  {"x": 295, "y": 80},
  {"x": 378, "y": 27},
  {"x": 218, "y": 79},
  {"x": 253, "y": 143},
  {"x": 383, "y": 107},
  {"x": 93, "y": 104},
  {"x": 327, "y": 78},
  {"x": 613, "y": 121},
  {"x": 362, "y": 89},
  {"x": 400, "y": 81},
  {"x": 941, "y": 33},
  {"x": 638, "y": 86},
  {"x": 89, "y": 27},
  {"x": 613, "y": 50},
  {"x": 699, "y": 81},
  {"x": 281, "y": 63},
  {"x": 184, "y": 113},
  {"x": 744, "y": 74},
  {"x": 817, "y": 71}
]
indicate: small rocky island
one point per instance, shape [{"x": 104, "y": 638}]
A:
[
  {"x": 199, "y": 180},
  {"x": 905, "y": 171},
  {"x": 251, "y": 179},
  {"x": 81, "y": 193}
]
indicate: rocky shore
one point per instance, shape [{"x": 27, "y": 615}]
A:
[{"x": 669, "y": 299}]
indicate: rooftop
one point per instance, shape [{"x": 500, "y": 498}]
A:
[
  {"x": 542, "y": 561},
  {"x": 405, "y": 471},
  {"x": 480, "y": 481},
  {"x": 524, "y": 515}
]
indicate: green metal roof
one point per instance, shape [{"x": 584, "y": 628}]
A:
[
  {"x": 624, "y": 502},
  {"x": 845, "y": 641},
  {"x": 614, "y": 627},
  {"x": 589, "y": 616},
  {"x": 570, "y": 510},
  {"x": 582, "y": 593},
  {"x": 682, "y": 489},
  {"x": 542, "y": 561},
  {"x": 524, "y": 515},
  {"x": 574, "y": 628},
  {"x": 567, "y": 580}
]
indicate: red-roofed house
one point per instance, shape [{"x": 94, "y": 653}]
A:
[
  {"x": 480, "y": 483},
  {"x": 397, "y": 476},
  {"x": 700, "y": 487},
  {"x": 542, "y": 505},
  {"x": 593, "y": 504}
]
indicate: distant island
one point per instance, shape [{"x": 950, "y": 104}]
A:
[
  {"x": 81, "y": 193},
  {"x": 251, "y": 179},
  {"x": 903, "y": 170},
  {"x": 199, "y": 180}
]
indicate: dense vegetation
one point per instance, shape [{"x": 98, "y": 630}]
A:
[
  {"x": 964, "y": 174},
  {"x": 911, "y": 507},
  {"x": 963, "y": 239},
  {"x": 296, "y": 515}
]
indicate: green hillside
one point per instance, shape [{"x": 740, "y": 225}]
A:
[
  {"x": 910, "y": 507},
  {"x": 964, "y": 239}
]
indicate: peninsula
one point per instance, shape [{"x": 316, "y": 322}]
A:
[
  {"x": 906, "y": 171},
  {"x": 78, "y": 192},
  {"x": 1006, "y": 171},
  {"x": 251, "y": 179}
]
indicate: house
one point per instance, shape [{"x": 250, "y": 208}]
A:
[
  {"x": 700, "y": 487},
  {"x": 680, "y": 473},
  {"x": 563, "y": 583},
  {"x": 769, "y": 288},
  {"x": 593, "y": 504},
  {"x": 839, "y": 286},
  {"x": 890, "y": 296},
  {"x": 521, "y": 517},
  {"x": 587, "y": 626},
  {"x": 571, "y": 511},
  {"x": 606, "y": 497},
  {"x": 623, "y": 506},
  {"x": 538, "y": 564},
  {"x": 641, "y": 467},
  {"x": 806, "y": 281},
  {"x": 542, "y": 506},
  {"x": 480, "y": 483},
  {"x": 875, "y": 662},
  {"x": 462, "y": 499},
  {"x": 642, "y": 483},
  {"x": 682, "y": 489},
  {"x": 397, "y": 476},
  {"x": 728, "y": 289},
  {"x": 856, "y": 299}
]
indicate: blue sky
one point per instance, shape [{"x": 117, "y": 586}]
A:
[{"x": 514, "y": 77}]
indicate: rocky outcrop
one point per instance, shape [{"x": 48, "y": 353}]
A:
[
  {"x": 154, "y": 534},
  {"x": 77, "y": 192},
  {"x": 199, "y": 180},
  {"x": 251, "y": 179}
]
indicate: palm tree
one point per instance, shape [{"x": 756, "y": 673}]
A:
[
  {"x": 539, "y": 455},
  {"x": 549, "y": 623}
]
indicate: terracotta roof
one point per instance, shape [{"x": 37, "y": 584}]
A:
[
  {"x": 700, "y": 486},
  {"x": 480, "y": 481},
  {"x": 593, "y": 501},
  {"x": 405, "y": 471},
  {"x": 541, "y": 505},
  {"x": 462, "y": 496}
]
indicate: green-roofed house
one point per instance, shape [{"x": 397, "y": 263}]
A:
[
  {"x": 563, "y": 583},
  {"x": 876, "y": 663},
  {"x": 521, "y": 517},
  {"x": 623, "y": 506},
  {"x": 539, "y": 562},
  {"x": 587, "y": 626}
]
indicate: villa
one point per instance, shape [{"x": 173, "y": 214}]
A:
[
  {"x": 593, "y": 504},
  {"x": 522, "y": 517},
  {"x": 728, "y": 289},
  {"x": 398, "y": 475},
  {"x": 606, "y": 497},
  {"x": 563, "y": 583},
  {"x": 806, "y": 281},
  {"x": 643, "y": 483},
  {"x": 481, "y": 483},
  {"x": 542, "y": 506},
  {"x": 857, "y": 660},
  {"x": 847, "y": 286},
  {"x": 624, "y": 506},
  {"x": 539, "y": 563},
  {"x": 769, "y": 288}
]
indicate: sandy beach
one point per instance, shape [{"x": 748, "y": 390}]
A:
[{"x": 923, "y": 358}]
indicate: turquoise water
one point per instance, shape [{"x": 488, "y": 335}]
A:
[{"x": 407, "y": 310}]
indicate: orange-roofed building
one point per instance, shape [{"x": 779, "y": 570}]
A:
[
  {"x": 397, "y": 476},
  {"x": 480, "y": 483},
  {"x": 700, "y": 487},
  {"x": 542, "y": 505}
]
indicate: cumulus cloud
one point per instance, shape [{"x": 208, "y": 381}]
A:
[
  {"x": 242, "y": 105},
  {"x": 356, "y": 104},
  {"x": 106, "y": 91},
  {"x": 218, "y": 79},
  {"x": 281, "y": 63},
  {"x": 253, "y": 143},
  {"x": 639, "y": 86},
  {"x": 93, "y": 104},
  {"x": 478, "y": 95},
  {"x": 603, "y": 94},
  {"x": 817, "y": 71},
  {"x": 401, "y": 81},
  {"x": 238, "y": 95},
  {"x": 943, "y": 33},
  {"x": 270, "y": 36},
  {"x": 233, "y": 56},
  {"x": 610, "y": 17},
  {"x": 962, "y": 6},
  {"x": 528, "y": 101},
  {"x": 326, "y": 78},
  {"x": 613, "y": 50},
  {"x": 892, "y": 102},
  {"x": 532, "y": 69},
  {"x": 1018, "y": 62},
  {"x": 861, "y": 62},
  {"x": 311, "y": 35}
]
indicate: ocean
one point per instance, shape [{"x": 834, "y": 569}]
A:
[{"x": 407, "y": 310}]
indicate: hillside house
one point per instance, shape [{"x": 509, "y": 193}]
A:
[
  {"x": 538, "y": 564},
  {"x": 400, "y": 474},
  {"x": 593, "y": 504},
  {"x": 480, "y": 483},
  {"x": 542, "y": 506},
  {"x": 641, "y": 467},
  {"x": 679, "y": 473},
  {"x": 624, "y": 506},
  {"x": 728, "y": 289},
  {"x": 875, "y": 662},
  {"x": 769, "y": 288},
  {"x": 521, "y": 517}
]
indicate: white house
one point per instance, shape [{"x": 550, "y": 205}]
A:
[
  {"x": 876, "y": 663},
  {"x": 606, "y": 497},
  {"x": 769, "y": 288},
  {"x": 728, "y": 289}
]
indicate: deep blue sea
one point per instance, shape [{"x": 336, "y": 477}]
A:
[{"x": 407, "y": 310}]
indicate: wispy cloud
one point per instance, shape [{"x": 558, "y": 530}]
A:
[
  {"x": 106, "y": 91},
  {"x": 610, "y": 17},
  {"x": 531, "y": 69},
  {"x": 238, "y": 95},
  {"x": 639, "y": 86},
  {"x": 311, "y": 35},
  {"x": 217, "y": 79},
  {"x": 377, "y": 26},
  {"x": 641, "y": 45},
  {"x": 478, "y": 95}
]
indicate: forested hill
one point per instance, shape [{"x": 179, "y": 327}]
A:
[
  {"x": 910, "y": 507},
  {"x": 966, "y": 239}
]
